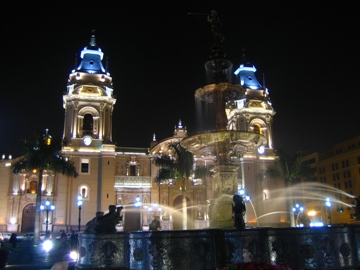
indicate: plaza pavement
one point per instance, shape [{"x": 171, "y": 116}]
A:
[{"x": 29, "y": 256}]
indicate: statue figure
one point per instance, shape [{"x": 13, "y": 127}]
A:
[
  {"x": 91, "y": 225},
  {"x": 239, "y": 211},
  {"x": 155, "y": 224},
  {"x": 107, "y": 223},
  {"x": 214, "y": 20},
  {"x": 357, "y": 208}
]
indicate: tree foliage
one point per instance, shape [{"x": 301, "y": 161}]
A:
[
  {"x": 41, "y": 154},
  {"x": 288, "y": 166},
  {"x": 179, "y": 166}
]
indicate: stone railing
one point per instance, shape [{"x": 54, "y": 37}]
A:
[
  {"x": 132, "y": 181},
  {"x": 208, "y": 249}
]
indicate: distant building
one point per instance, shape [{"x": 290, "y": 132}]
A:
[{"x": 337, "y": 177}]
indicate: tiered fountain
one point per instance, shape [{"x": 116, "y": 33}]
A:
[{"x": 221, "y": 144}]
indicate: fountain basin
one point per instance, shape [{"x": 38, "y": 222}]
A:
[
  {"x": 222, "y": 142},
  {"x": 209, "y": 93}
]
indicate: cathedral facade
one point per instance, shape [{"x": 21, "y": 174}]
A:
[{"x": 115, "y": 175}]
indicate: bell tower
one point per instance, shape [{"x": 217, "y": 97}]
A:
[
  {"x": 252, "y": 112},
  {"x": 89, "y": 104}
]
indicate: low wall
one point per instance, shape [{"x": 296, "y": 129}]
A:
[{"x": 300, "y": 248}]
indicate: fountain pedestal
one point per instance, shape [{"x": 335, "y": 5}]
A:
[
  {"x": 222, "y": 145},
  {"x": 220, "y": 213},
  {"x": 224, "y": 186}
]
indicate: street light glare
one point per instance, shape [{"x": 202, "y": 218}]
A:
[
  {"x": 328, "y": 202},
  {"x": 74, "y": 255},
  {"x": 47, "y": 245}
]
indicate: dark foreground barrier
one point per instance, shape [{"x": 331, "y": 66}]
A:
[
  {"x": 4, "y": 254},
  {"x": 299, "y": 248}
]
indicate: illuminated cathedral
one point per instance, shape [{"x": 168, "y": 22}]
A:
[{"x": 115, "y": 175}]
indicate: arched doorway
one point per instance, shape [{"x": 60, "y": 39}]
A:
[
  {"x": 177, "y": 213},
  {"x": 28, "y": 218}
]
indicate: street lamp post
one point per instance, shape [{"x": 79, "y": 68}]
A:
[
  {"x": 79, "y": 204},
  {"x": 137, "y": 201},
  {"x": 298, "y": 210},
  {"x": 157, "y": 209},
  {"x": 137, "y": 205},
  {"x": 328, "y": 205},
  {"x": 47, "y": 207},
  {"x": 150, "y": 210},
  {"x": 244, "y": 195}
]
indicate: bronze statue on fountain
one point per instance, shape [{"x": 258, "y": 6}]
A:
[
  {"x": 105, "y": 223},
  {"x": 239, "y": 210}
]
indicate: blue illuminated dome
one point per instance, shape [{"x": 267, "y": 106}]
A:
[
  {"x": 245, "y": 75},
  {"x": 91, "y": 59}
]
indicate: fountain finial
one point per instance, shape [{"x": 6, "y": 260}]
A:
[
  {"x": 215, "y": 22},
  {"x": 217, "y": 49},
  {"x": 92, "y": 40}
]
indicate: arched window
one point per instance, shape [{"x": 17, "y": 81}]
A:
[
  {"x": 88, "y": 122},
  {"x": 266, "y": 194},
  {"x": 33, "y": 187},
  {"x": 258, "y": 126},
  {"x": 132, "y": 167},
  {"x": 232, "y": 126},
  {"x": 132, "y": 170},
  {"x": 257, "y": 129},
  {"x": 84, "y": 191}
]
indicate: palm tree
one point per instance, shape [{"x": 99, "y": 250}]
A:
[
  {"x": 290, "y": 168},
  {"x": 180, "y": 166},
  {"x": 41, "y": 154}
]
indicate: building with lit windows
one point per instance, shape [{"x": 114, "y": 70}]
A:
[
  {"x": 115, "y": 175},
  {"x": 337, "y": 177}
]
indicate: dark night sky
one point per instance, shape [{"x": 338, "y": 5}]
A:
[{"x": 308, "y": 53}]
